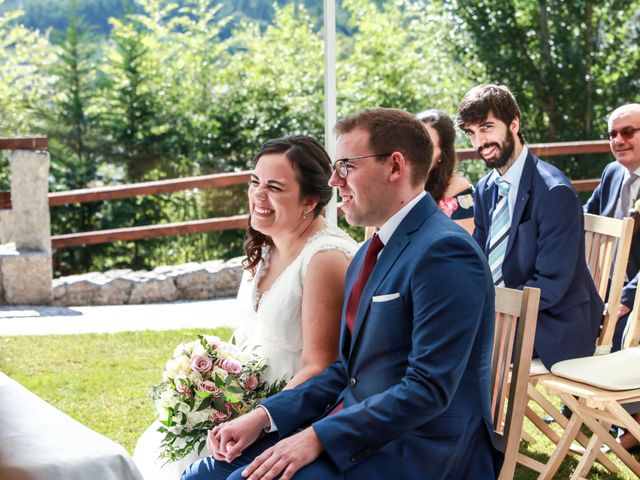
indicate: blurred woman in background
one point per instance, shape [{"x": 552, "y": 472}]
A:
[{"x": 452, "y": 192}]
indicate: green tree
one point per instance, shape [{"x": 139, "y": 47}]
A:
[
  {"x": 568, "y": 63},
  {"x": 185, "y": 54},
  {"x": 134, "y": 126},
  {"x": 71, "y": 116},
  {"x": 399, "y": 56},
  {"x": 24, "y": 56},
  {"x": 71, "y": 120},
  {"x": 272, "y": 87}
]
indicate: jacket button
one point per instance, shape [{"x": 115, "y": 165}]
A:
[{"x": 352, "y": 382}]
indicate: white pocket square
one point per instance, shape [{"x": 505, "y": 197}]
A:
[{"x": 385, "y": 298}]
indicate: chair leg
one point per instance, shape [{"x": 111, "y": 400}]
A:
[
  {"x": 629, "y": 422},
  {"x": 549, "y": 432},
  {"x": 562, "y": 448},
  {"x": 589, "y": 456},
  {"x": 546, "y": 405},
  {"x": 563, "y": 421},
  {"x": 597, "y": 429}
]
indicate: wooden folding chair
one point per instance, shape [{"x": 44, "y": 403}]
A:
[
  {"x": 607, "y": 245},
  {"x": 516, "y": 317},
  {"x": 596, "y": 389},
  {"x": 607, "y": 260}
]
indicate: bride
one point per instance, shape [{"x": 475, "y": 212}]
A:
[{"x": 292, "y": 289}]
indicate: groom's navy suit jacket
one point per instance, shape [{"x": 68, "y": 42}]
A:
[
  {"x": 415, "y": 375},
  {"x": 603, "y": 202},
  {"x": 546, "y": 250}
]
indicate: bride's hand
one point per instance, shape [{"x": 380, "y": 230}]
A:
[
  {"x": 213, "y": 445},
  {"x": 228, "y": 440}
]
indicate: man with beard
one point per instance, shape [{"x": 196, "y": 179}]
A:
[{"x": 529, "y": 221}]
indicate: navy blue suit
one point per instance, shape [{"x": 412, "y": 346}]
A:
[
  {"x": 546, "y": 250},
  {"x": 414, "y": 377},
  {"x": 603, "y": 202}
]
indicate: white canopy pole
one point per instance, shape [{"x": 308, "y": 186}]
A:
[{"x": 330, "y": 94}]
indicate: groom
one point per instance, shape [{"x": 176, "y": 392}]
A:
[{"x": 409, "y": 395}]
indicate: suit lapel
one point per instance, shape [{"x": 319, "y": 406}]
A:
[
  {"x": 524, "y": 191},
  {"x": 389, "y": 255}
]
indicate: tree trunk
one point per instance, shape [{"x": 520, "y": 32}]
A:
[{"x": 545, "y": 68}]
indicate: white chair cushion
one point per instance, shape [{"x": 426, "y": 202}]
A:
[
  {"x": 614, "y": 371},
  {"x": 537, "y": 367}
]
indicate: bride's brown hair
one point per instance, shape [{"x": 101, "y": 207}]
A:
[{"x": 313, "y": 169}]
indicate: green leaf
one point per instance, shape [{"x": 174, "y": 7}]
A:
[
  {"x": 202, "y": 394},
  {"x": 205, "y": 404}
]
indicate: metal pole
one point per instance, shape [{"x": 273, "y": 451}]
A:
[{"x": 330, "y": 93}]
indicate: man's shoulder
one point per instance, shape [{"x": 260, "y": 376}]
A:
[
  {"x": 440, "y": 229},
  {"x": 612, "y": 169},
  {"x": 548, "y": 175}
]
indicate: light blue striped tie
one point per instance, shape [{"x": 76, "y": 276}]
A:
[{"x": 500, "y": 223}]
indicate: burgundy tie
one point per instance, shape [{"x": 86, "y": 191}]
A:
[
  {"x": 356, "y": 292},
  {"x": 370, "y": 259}
]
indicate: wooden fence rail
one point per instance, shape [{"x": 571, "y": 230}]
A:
[
  {"x": 217, "y": 181},
  {"x": 149, "y": 231},
  {"x": 24, "y": 143},
  {"x": 97, "y": 194}
]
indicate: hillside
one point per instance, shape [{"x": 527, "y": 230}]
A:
[{"x": 45, "y": 14}]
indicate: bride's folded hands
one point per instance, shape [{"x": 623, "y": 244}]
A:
[{"x": 227, "y": 441}]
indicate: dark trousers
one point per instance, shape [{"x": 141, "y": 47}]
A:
[{"x": 210, "y": 469}]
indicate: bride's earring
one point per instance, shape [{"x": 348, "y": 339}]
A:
[{"x": 305, "y": 214}]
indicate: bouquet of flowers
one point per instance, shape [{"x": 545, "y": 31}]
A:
[{"x": 207, "y": 382}]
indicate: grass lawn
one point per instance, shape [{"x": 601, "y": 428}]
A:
[{"x": 102, "y": 380}]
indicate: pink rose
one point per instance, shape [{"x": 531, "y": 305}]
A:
[
  {"x": 201, "y": 364},
  {"x": 208, "y": 386},
  {"x": 183, "y": 389},
  {"x": 448, "y": 205},
  {"x": 182, "y": 385},
  {"x": 217, "y": 416},
  {"x": 252, "y": 382},
  {"x": 232, "y": 366}
]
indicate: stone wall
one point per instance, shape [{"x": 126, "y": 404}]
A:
[
  {"x": 25, "y": 238},
  {"x": 191, "y": 281}
]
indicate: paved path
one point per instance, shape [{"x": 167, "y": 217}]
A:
[{"x": 117, "y": 318}]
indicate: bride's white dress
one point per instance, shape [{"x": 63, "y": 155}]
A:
[{"x": 270, "y": 323}]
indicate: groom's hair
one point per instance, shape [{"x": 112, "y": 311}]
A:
[{"x": 394, "y": 130}]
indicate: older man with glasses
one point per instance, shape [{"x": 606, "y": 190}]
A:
[{"x": 618, "y": 194}]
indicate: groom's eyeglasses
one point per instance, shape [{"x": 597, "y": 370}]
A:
[
  {"x": 626, "y": 133},
  {"x": 341, "y": 166}
]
